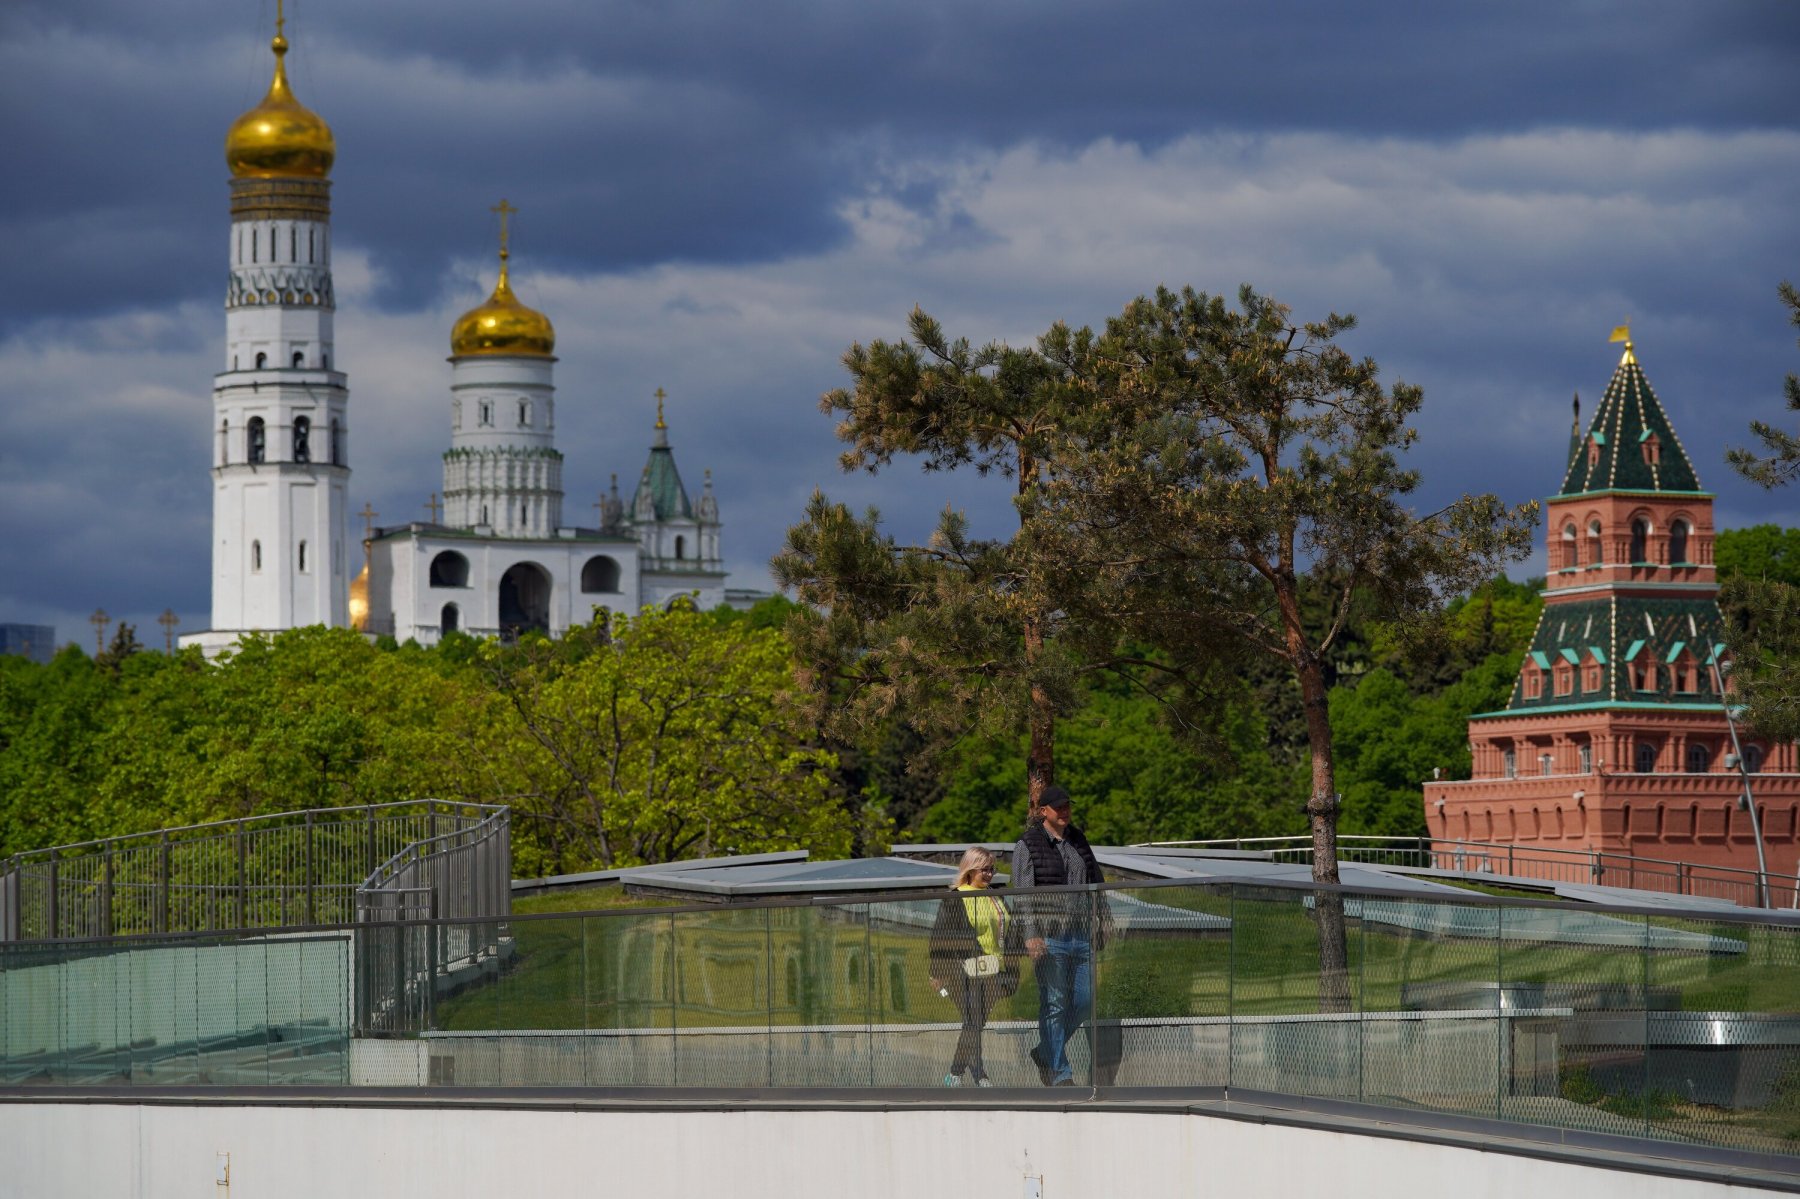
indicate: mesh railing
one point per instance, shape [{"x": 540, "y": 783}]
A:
[
  {"x": 1543, "y": 863},
  {"x": 280, "y": 871},
  {"x": 1682, "y": 1027}
]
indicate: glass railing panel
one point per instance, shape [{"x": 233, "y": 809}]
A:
[
  {"x": 1586, "y": 971},
  {"x": 34, "y": 1014},
  {"x": 539, "y": 1038},
  {"x": 1434, "y": 1019},
  {"x": 162, "y": 1014},
  {"x": 1162, "y": 990},
  {"x": 913, "y": 1030},
  {"x": 465, "y": 981},
  {"x": 90, "y": 1033},
  {"x": 1292, "y": 1030},
  {"x": 821, "y": 1014},
  {"x": 627, "y": 996},
  {"x": 1722, "y": 1059},
  {"x": 723, "y": 995}
]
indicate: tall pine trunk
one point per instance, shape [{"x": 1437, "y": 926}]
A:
[
  {"x": 1040, "y": 757},
  {"x": 1321, "y": 805}
]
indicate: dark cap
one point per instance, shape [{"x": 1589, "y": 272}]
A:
[{"x": 1053, "y": 797}]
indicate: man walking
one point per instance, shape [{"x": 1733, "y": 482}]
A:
[{"x": 1058, "y": 930}]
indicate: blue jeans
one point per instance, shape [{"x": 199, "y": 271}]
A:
[{"x": 1065, "y": 983}]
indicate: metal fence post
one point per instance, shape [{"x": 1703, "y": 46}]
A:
[
  {"x": 104, "y": 925},
  {"x": 311, "y": 912},
  {"x": 162, "y": 883},
  {"x": 243, "y": 888},
  {"x": 53, "y": 913}
]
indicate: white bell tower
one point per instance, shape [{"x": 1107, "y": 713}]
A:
[{"x": 280, "y": 427}]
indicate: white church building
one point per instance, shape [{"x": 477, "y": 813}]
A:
[{"x": 503, "y": 560}]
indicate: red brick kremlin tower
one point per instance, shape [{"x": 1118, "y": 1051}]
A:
[{"x": 1615, "y": 742}]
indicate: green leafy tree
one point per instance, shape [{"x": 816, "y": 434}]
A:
[
  {"x": 1760, "y": 600},
  {"x": 1779, "y": 460},
  {"x": 1758, "y": 552},
  {"x": 1224, "y": 456},
  {"x": 655, "y": 737}
]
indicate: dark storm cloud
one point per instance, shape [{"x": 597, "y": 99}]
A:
[
  {"x": 637, "y": 133},
  {"x": 719, "y": 198}
]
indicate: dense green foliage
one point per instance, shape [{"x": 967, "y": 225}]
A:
[
  {"x": 318, "y": 717},
  {"x": 631, "y": 740},
  {"x": 1761, "y": 597},
  {"x": 1399, "y": 711}
]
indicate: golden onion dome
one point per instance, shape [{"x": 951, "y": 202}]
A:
[
  {"x": 280, "y": 138},
  {"x": 503, "y": 325},
  {"x": 359, "y": 601}
]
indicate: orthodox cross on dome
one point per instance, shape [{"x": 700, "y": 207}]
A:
[
  {"x": 168, "y": 620},
  {"x": 659, "y": 409},
  {"x": 368, "y": 515},
  {"x": 432, "y": 506},
  {"x": 505, "y": 210}
]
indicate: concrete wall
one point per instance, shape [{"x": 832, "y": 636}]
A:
[{"x": 173, "y": 1152}]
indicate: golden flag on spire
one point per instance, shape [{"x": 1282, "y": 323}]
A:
[{"x": 1622, "y": 333}]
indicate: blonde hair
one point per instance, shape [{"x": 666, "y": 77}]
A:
[{"x": 974, "y": 858}]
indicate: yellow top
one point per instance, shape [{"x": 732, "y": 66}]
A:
[
  {"x": 280, "y": 138},
  {"x": 503, "y": 325},
  {"x": 987, "y": 916}
]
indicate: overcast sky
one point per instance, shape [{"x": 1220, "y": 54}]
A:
[{"x": 718, "y": 198}]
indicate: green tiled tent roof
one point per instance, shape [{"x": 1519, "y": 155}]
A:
[
  {"x": 1618, "y": 631},
  {"x": 664, "y": 484},
  {"x": 1629, "y": 415}
]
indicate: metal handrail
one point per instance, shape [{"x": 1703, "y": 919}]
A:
[
  {"x": 281, "y": 870},
  {"x": 1539, "y": 862}
]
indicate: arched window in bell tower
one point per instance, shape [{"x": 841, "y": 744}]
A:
[
  {"x": 1640, "y": 540},
  {"x": 262, "y": 360},
  {"x": 1596, "y": 550},
  {"x": 680, "y": 546},
  {"x": 302, "y": 439},
  {"x": 256, "y": 443},
  {"x": 299, "y": 359},
  {"x": 225, "y": 442},
  {"x": 1678, "y": 539},
  {"x": 1571, "y": 547},
  {"x": 337, "y": 443}
]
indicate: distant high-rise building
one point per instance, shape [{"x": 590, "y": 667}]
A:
[{"x": 34, "y": 641}]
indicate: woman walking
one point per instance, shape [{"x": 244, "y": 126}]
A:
[{"x": 972, "y": 959}]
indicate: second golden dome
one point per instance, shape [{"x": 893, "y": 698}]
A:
[{"x": 503, "y": 325}]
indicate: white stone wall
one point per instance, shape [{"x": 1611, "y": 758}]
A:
[
  {"x": 502, "y": 472},
  {"x": 221, "y": 1150},
  {"x": 400, "y": 590},
  {"x": 280, "y": 526}
]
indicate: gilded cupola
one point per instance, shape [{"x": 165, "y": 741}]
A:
[
  {"x": 280, "y": 138},
  {"x": 503, "y": 325}
]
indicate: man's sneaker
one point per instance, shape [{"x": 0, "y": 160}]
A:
[
  {"x": 984, "y": 1081},
  {"x": 953, "y": 1080},
  {"x": 1037, "y": 1059}
]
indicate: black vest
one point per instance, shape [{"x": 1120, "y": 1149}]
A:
[{"x": 1046, "y": 861}]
